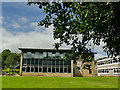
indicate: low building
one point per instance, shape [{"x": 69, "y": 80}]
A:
[
  {"x": 48, "y": 62},
  {"x": 109, "y": 67}
]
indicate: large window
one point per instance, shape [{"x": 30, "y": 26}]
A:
[
  {"x": 65, "y": 62},
  {"x": 36, "y": 69},
  {"x": 28, "y": 54},
  {"x": 52, "y": 62},
  {"x": 36, "y": 61},
  {"x": 40, "y": 62},
  {"x": 23, "y": 69},
  {"x": 24, "y": 61},
  {"x": 57, "y": 69},
  {"x": 65, "y": 70},
  {"x": 44, "y": 62},
  {"x": 40, "y": 69},
  {"x": 24, "y": 55},
  {"x": 28, "y": 61},
  {"x": 44, "y": 69},
  {"x": 36, "y": 54},
  {"x": 57, "y": 62},
  {"x": 40, "y": 55},
  {"x": 57, "y": 55},
  {"x": 53, "y": 69},
  {"x": 61, "y": 70},
  {"x": 32, "y": 69},
  {"x": 49, "y": 69},
  {"x": 49, "y": 54},
  {"x": 44, "y": 54},
  {"x": 33, "y": 55},
  {"x": 32, "y": 62},
  {"x": 28, "y": 69},
  {"x": 49, "y": 61}
]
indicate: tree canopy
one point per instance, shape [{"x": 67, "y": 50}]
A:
[
  {"x": 9, "y": 59},
  {"x": 12, "y": 60},
  {"x": 95, "y": 21}
]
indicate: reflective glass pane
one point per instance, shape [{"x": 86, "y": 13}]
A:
[
  {"x": 33, "y": 55},
  {"x": 44, "y": 54},
  {"x": 36, "y": 54},
  {"x": 28, "y": 54},
  {"x": 40, "y": 55},
  {"x": 24, "y": 55}
]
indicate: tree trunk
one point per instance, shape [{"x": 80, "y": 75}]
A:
[{"x": 12, "y": 70}]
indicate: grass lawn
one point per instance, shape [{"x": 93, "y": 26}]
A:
[{"x": 59, "y": 82}]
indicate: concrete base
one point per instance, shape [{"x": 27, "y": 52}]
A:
[
  {"x": 109, "y": 75},
  {"x": 48, "y": 74}
]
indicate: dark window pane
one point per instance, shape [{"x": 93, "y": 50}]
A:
[
  {"x": 65, "y": 70},
  {"x": 40, "y": 69},
  {"x": 61, "y": 62},
  {"x": 65, "y": 62},
  {"x": 53, "y": 62},
  {"x": 57, "y": 69},
  {"x": 28, "y": 62},
  {"x": 57, "y": 62},
  {"x": 44, "y": 62},
  {"x": 36, "y": 69},
  {"x": 40, "y": 62},
  {"x": 53, "y": 70},
  {"x": 32, "y": 61},
  {"x": 49, "y": 62},
  {"x": 69, "y": 70},
  {"x": 49, "y": 69},
  {"x": 44, "y": 69},
  {"x": 28, "y": 54},
  {"x": 28, "y": 69},
  {"x": 61, "y": 70},
  {"x": 32, "y": 69},
  {"x": 36, "y": 62},
  {"x": 24, "y": 61},
  {"x": 69, "y": 63},
  {"x": 23, "y": 69}
]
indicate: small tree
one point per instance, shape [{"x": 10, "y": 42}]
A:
[
  {"x": 5, "y": 54},
  {"x": 11, "y": 60}
]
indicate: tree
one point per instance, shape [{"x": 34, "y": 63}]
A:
[
  {"x": 95, "y": 22},
  {"x": 5, "y": 54},
  {"x": 12, "y": 60}
]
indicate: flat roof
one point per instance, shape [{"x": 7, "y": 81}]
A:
[
  {"x": 105, "y": 59},
  {"x": 39, "y": 49}
]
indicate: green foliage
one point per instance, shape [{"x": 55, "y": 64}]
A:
[
  {"x": 96, "y": 22},
  {"x": 11, "y": 60},
  {"x": 5, "y": 54}
]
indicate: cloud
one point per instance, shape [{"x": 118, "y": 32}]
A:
[
  {"x": 23, "y": 19},
  {"x": 16, "y": 25},
  {"x": 35, "y": 27},
  {"x": 1, "y": 19},
  {"x": 97, "y": 56},
  {"x": 29, "y": 39},
  {"x": 33, "y": 24},
  {"x": 35, "y": 39},
  {"x": 14, "y": 0}
]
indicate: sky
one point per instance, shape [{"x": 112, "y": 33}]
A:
[{"x": 19, "y": 29}]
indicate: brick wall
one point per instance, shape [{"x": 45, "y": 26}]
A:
[{"x": 48, "y": 74}]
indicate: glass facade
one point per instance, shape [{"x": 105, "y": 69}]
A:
[{"x": 47, "y": 62}]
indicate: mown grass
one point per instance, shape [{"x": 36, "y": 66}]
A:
[{"x": 59, "y": 82}]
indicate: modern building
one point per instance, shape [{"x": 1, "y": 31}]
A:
[
  {"x": 109, "y": 67},
  {"x": 45, "y": 62},
  {"x": 50, "y": 62}
]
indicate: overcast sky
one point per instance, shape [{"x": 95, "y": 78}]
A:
[{"x": 19, "y": 28}]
